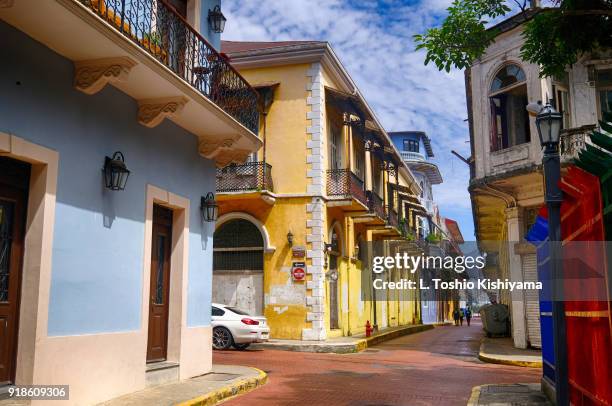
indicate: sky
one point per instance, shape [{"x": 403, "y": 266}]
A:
[{"x": 373, "y": 39}]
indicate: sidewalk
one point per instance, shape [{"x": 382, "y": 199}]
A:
[
  {"x": 224, "y": 382},
  {"x": 343, "y": 345},
  {"x": 517, "y": 394},
  {"x": 502, "y": 351}
]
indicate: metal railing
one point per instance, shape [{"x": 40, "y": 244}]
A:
[
  {"x": 573, "y": 140},
  {"x": 157, "y": 28},
  {"x": 251, "y": 176},
  {"x": 344, "y": 183},
  {"x": 375, "y": 204},
  {"x": 392, "y": 217},
  {"x": 412, "y": 156}
]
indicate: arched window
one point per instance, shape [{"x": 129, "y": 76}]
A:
[
  {"x": 508, "y": 101},
  {"x": 238, "y": 246}
]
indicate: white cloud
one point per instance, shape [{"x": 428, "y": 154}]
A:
[{"x": 374, "y": 41}]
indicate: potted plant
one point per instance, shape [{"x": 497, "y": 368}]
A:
[{"x": 153, "y": 42}]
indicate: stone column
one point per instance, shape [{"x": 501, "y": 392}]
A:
[{"x": 519, "y": 324}]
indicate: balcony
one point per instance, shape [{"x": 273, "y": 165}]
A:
[
  {"x": 392, "y": 217},
  {"x": 148, "y": 51},
  {"x": 573, "y": 140},
  {"x": 376, "y": 205},
  {"x": 412, "y": 156},
  {"x": 164, "y": 34},
  {"x": 345, "y": 185},
  {"x": 249, "y": 177}
]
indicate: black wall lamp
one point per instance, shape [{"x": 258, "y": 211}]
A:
[
  {"x": 290, "y": 238},
  {"x": 209, "y": 208},
  {"x": 116, "y": 172},
  {"x": 216, "y": 20}
]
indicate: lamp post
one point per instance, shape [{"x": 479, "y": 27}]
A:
[{"x": 549, "y": 122}]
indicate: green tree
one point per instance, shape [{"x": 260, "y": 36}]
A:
[{"x": 555, "y": 37}]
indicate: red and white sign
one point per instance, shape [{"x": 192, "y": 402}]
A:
[{"x": 298, "y": 271}]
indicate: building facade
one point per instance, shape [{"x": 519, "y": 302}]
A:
[
  {"x": 101, "y": 288},
  {"x": 417, "y": 152},
  {"x": 325, "y": 187},
  {"x": 506, "y": 184}
]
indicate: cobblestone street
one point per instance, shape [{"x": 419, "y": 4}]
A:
[{"x": 436, "y": 367}]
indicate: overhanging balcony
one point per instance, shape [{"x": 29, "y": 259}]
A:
[
  {"x": 412, "y": 156},
  {"x": 249, "y": 177},
  {"x": 249, "y": 184},
  {"x": 148, "y": 51},
  {"x": 344, "y": 186}
]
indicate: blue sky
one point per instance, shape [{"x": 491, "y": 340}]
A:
[{"x": 374, "y": 41}]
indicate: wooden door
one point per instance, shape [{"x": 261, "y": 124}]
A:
[
  {"x": 14, "y": 179},
  {"x": 160, "y": 284}
]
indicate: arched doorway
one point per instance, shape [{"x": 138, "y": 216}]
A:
[{"x": 238, "y": 262}]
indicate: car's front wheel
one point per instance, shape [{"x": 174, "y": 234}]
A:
[
  {"x": 241, "y": 347},
  {"x": 222, "y": 338}
]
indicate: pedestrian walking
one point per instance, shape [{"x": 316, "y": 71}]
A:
[
  {"x": 468, "y": 316},
  {"x": 456, "y": 316},
  {"x": 461, "y": 316}
]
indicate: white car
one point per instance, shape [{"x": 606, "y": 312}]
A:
[{"x": 234, "y": 327}]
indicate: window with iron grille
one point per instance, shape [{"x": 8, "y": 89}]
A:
[{"x": 238, "y": 246}]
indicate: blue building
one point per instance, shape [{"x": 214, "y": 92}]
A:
[
  {"x": 416, "y": 151},
  {"x": 105, "y": 278}
]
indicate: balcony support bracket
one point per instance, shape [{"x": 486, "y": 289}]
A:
[
  {"x": 152, "y": 112},
  {"x": 92, "y": 75},
  {"x": 223, "y": 151}
]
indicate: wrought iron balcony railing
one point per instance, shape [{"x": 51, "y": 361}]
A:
[
  {"x": 252, "y": 176},
  {"x": 344, "y": 183},
  {"x": 158, "y": 29},
  {"x": 392, "y": 217},
  {"x": 573, "y": 140},
  {"x": 375, "y": 204}
]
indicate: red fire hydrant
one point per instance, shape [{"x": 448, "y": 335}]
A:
[{"x": 369, "y": 329}]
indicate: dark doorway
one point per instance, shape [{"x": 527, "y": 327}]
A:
[
  {"x": 14, "y": 185},
  {"x": 157, "y": 345},
  {"x": 333, "y": 292}
]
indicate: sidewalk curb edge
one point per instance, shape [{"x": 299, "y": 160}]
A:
[{"x": 234, "y": 389}]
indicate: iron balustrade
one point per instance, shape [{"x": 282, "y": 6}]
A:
[
  {"x": 344, "y": 183},
  {"x": 157, "y": 28},
  {"x": 251, "y": 176},
  {"x": 375, "y": 204},
  {"x": 392, "y": 217}
]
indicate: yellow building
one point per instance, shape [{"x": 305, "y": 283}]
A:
[{"x": 326, "y": 184}]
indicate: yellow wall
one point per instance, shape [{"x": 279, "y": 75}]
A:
[
  {"x": 286, "y": 150},
  {"x": 285, "y": 125}
]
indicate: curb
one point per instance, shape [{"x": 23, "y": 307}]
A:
[
  {"x": 475, "y": 396},
  {"x": 526, "y": 364},
  {"x": 377, "y": 339},
  {"x": 502, "y": 361},
  {"x": 234, "y": 389},
  {"x": 360, "y": 344}
]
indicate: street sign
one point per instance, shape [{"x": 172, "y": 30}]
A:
[
  {"x": 298, "y": 271},
  {"x": 298, "y": 251}
]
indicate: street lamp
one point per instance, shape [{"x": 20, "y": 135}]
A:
[
  {"x": 209, "y": 209},
  {"x": 549, "y": 123},
  {"x": 115, "y": 171},
  {"x": 216, "y": 20}
]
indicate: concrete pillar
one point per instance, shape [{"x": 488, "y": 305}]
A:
[
  {"x": 519, "y": 324},
  {"x": 368, "y": 170}
]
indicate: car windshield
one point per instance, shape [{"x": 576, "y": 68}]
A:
[{"x": 237, "y": 311}]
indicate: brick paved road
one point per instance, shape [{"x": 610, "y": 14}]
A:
[{"x": 436, "y": 367}]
